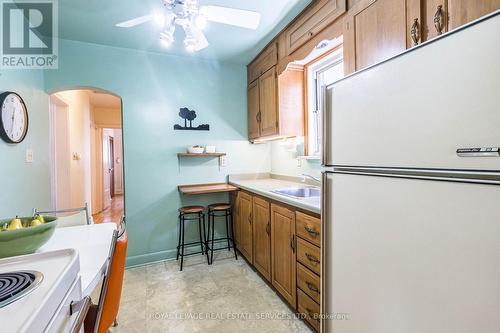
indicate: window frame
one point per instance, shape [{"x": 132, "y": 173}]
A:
[{"x": 324, "y": 62}]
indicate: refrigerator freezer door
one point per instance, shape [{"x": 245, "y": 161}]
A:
[
  {"x": 405, "y": 255},
  {"x": 418, "y": 109}
]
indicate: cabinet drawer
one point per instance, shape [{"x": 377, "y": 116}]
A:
[
  {"x": 308, "y": 255},
  {"x": 308, "y": 228},
  {"x": 313, "y": 21},
  {"x": 310, "y": 308},
  {"x": 265, "y": 61},
  {"x": 308, "y": 282}
]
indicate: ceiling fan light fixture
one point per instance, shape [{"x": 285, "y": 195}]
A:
[
  {"x": 200, "y": 21},
  {"x": 159, "y": 19},
  {"x": 190, "y": 44},
  {"x": 167, "y": 36}
]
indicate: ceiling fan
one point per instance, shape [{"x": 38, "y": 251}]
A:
[{"x": 192, "y": 18}]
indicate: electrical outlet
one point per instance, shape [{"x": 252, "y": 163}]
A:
[
  {"x": 223, "y": 161},
  {"x": 299, "y": 162},
  {"x": 29, "y": 155}
]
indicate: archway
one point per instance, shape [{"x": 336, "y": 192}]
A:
[{"x": 87, "y": 154}]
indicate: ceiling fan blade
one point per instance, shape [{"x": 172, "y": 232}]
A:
[
  {"x": 232, "y": 16},
  {"x": 135, "y": 21},
  {"x": 202, "y": 41}
]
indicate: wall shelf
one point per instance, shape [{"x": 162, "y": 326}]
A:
[
  {"x": 201, "y": 155},
  {"x": 220, "y": 156}
]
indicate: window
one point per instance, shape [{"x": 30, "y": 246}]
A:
[{"x": 320, "y": 73}]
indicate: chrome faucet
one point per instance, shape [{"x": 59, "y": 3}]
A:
[{"x": 305, "y": 175}]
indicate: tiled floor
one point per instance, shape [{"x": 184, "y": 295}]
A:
[{"x": 227, "y": 296}]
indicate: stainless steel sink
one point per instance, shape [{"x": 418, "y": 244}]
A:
[{"x": 299, "y": 192}]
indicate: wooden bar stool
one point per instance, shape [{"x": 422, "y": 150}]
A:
[
  {"x": 191, "y": 213},
  {"x": 220, "y": 210}
]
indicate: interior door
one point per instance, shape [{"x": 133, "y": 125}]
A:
[
  {"x": 407, "y": 255},
  {"x": 283, "y": 252},
  {"x": 112, "y": 166},
  {"x": 106, "y": 164},
  {"x": 268, "y": 92},
  {"x": 262, "y": 237}
]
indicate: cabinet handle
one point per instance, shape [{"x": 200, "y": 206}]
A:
[
  {"x": 292, "y": 243},
  {"x": 312, "y": 258},
  {"x": 414, "y": 32},
  {"x": 438, "y": 19},
  {"x": 250, "y": 218},
  {"x": 268, "y": 228},
  {"x": 311, "y": 231},
  {"x": 258, "y": 116},
  {"x": 312, "y": 287}
]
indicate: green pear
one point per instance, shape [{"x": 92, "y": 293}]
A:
[
  {"x": 40, "y": 218},
  {"x": 15, "y": 224},
  {"x": 35, "y": 222}
]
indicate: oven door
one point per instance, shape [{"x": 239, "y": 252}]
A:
[{"x": 71, "y": 313}]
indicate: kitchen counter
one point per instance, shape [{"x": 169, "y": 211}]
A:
[
  {"x": 92, "y": 243},
  {"x": 263, "y": 184}
]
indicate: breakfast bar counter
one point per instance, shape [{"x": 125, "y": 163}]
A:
[{"x": 206, "y": 188}]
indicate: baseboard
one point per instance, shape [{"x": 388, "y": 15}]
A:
[{"x": 148, "y": 258}]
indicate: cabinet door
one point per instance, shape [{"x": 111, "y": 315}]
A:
[
  {"x": 245, "y": 225},
  {"x": 268, "y": 87},
  {"x": 377, "y": 30},
  {"x": 253, "y": 110},
  {"x": 311, "y": 22},
  {"x": 283, "y": 252},
  {"x": 464, "y": 11},
  {"x": 267, "y": 59},
  {"x": 434, "y": 18},
  {"x": 262, "y": 237}
]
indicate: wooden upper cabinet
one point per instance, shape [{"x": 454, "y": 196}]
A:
[
  {"x": 434, "y": 18},
  {"x": 316, "y": 18},
  {"x": 377, "y": 30},
  {"x": 253, "y": 110},
  {"x": 262, "y": 237},
  {"x": 440, "y": 16},
  {"x": 267, "y": 59},
  {"x": 283, "y": 245},
  {"x": 268, "y": 100},
  {"x": 461, "y": 12},
  {"x": 244, "y": 205}
]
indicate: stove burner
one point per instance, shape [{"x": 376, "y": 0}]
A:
[{"x": 15, "y": 285}]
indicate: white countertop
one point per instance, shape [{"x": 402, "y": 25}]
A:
[
  {"x": 92, "y": 242},
  {"x": 264, "y": 186}
]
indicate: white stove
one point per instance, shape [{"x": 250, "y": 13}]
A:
[{"x": 36, "y": 291}]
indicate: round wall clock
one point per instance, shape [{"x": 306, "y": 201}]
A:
[{"x": 14, "y": 117}]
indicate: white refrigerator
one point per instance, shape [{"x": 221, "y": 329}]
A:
[{"x": 411, "y": 205}]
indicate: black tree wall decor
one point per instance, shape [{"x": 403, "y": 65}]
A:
[{"x": 190, "y": 115}]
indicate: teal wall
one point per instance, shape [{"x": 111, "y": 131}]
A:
[
  {"x": 25, "y": 185},
  {"x": 153, "y": 87}
]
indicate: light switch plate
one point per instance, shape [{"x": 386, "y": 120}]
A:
[
  {"x": 223, "y": 161},
  {"x": 29, "y": 155}
]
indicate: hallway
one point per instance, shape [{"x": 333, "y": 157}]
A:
[{"x": 111, "y": 214}]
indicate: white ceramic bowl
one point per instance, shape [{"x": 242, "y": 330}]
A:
[
  {"x": 210, "y": 149},
  {"x": 196, "y": 150}
]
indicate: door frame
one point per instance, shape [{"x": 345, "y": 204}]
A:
[{"x": 55, "y": 102}]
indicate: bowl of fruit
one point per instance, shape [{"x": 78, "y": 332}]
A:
[{"x": 23, "y": 235}]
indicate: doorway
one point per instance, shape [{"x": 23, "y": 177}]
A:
[{"x": 87, "y": 153}]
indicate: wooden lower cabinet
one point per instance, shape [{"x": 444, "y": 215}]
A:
[
  {"x": 283, "y": 252},
  {"x": 262, "y": 237},
  {"x": 309, "y": 308},
  {"x": 283, "y": 246},
  {"x": 244, "y": 225}
]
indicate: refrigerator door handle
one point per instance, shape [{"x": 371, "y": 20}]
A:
[
  {"x": 479, "y": 152},
  {"x": 325, "y": 138}
]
